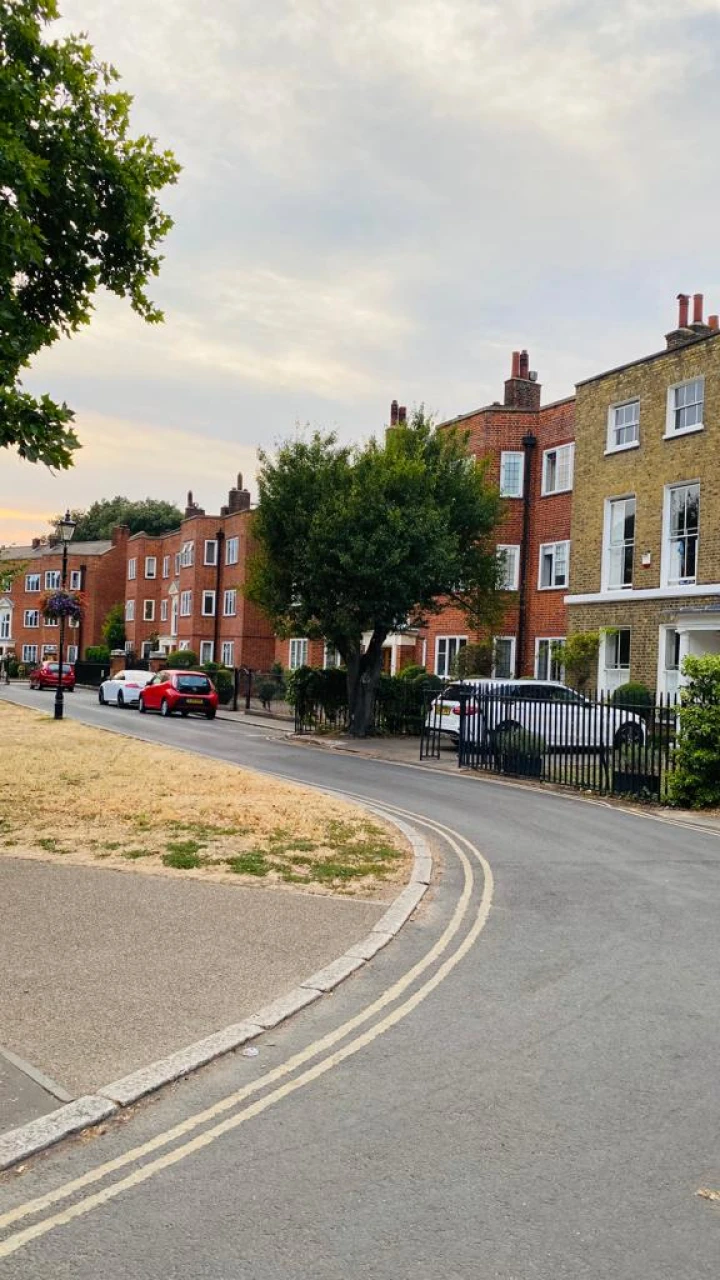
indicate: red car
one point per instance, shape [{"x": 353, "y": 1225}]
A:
[
  {"x": 189, "y": 692},
  {"x": 46, "y": 677}
]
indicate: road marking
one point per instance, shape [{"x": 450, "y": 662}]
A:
[
  {"x": 38, "y": 1076},
  {"x": 20, "y": 1239}
]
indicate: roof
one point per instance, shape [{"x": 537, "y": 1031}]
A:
[
  {"x": 656, "y": 355},
  {"x": 498, "y": 407},
  {"x": 74, "y": 549}
]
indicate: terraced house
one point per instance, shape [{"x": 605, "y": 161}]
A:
[{"x": 645, "y": 569}]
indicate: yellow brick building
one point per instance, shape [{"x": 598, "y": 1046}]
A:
[{"x": 645, "y": 560}]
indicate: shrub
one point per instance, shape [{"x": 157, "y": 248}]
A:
[
  {"x": 473, "y": 660},
  {"x": 267, "y": 691},
  {"x": 412, "y": 672},
  {"x": 636, "y": 697},
  {"x": 181, "y": 659},
  {"x": 223, "y": 680},
  {"x": 578, "y": 655},
  {"x": 97, "y": 653},
  {"x": 696, "y": 781},
  {"x": 113, "y": 627},
  {"x": 517, "y": 741}
]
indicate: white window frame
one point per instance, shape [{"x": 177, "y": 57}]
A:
[
  {"x": 558, "y": 449},
  {"x": 298, "y": 653},
  {"x": 71, "y": 653},
  {"x": 151, "y": 572},
  {"x": 611, "y": 646},
  {"x": 611, "y": 445},
  {"x": 75, "y": 579},
  {"x": 446, "y": 650},
  {"x": 177, "y": 563},
  {"x": 183, "y": 645},
  {"x": 28, "y": 617},
  {"x": 129, "y": 610},
  {"x": 187, "y": 555},
  {"x": 208, "y": 612},
  {"x": 544, "y": 548},
  {"x": 607, "y": 548},
  {"x": 51, "y": 622},
  {"x": 132, "y": 569},
  {"x": 511, "y": 563},
  {"x": 229, "y": 602},
  {"x": 166, "y": 566},
  {"x": 29, "y": 653},
  {"x": 185, "y": 604},
  {"x": 666, "y": 558},
  {"x": 232, "y": 547},
  {"x": 513, "y": 645},
  {"x": 6, "y": 624},
  {"x": 671, "y": 431},
  {"x": 210, "y": 554},
  {"x": 48, "y": 650},
  {"x": 163, "y": 610},
  {"x": 227, "y": 653},
  {"x": 207, "y": 649},
  {"x": 148, "y": 610},
  {"x": 555, "y": 669},
  {"x": 30, "y": 580},
  {"x": 53, "y": 578},
  {"x": 331, "y": 657},
  {"x": 512, "y": 453}
]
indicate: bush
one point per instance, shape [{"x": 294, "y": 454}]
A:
[
  {"x": 97, "y": 653},
  {"x": 412, "y": 672},
  {"x": 473, "y": 660},
  {"x": 13, "y": 667},
  {"x": 636, "y": 697},
  {"x": 223, "y": 680},
  {"x": 517, "y": 741},
  {"x": 113, "y": 627},
  {"x": 310, "y": 687},
  {"x": 267, "y": 691},
  {"x": 696, "y": 781},
  {"x": 181, "y": 659}
]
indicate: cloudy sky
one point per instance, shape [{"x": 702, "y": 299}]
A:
[{"x": 383, "y": 198}]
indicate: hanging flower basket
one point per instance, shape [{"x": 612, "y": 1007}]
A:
[{"x": 62, "y": 604}]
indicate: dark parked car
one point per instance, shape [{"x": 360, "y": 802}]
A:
[{"x": 46, "y": 677}]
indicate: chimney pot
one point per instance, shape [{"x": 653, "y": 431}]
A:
[
  {"x": 714, "y": 322},
  {"x": 524, "y": 364},
  {"x": 402, "y": 415},
  {"x": 394, "y": 413},
  {"x": 683, "y": 303},
  {"x": 515, "y": 365},
  {"x": 697, "y": 308}
]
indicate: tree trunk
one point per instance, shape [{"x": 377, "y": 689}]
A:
[{"x": 363, "y": 678}]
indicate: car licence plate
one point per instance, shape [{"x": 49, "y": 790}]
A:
[{"x": 194, "y": 702}]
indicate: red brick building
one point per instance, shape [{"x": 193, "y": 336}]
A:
[
  {"x": 95, "y": 568},
  {"x": 530, "y": 452},
  {"x": 184, "y": 589}
]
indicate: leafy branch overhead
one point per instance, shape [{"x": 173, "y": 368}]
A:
[{"x": 78, "y": 210}]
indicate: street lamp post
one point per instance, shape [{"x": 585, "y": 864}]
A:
[{"x": 66, "y": 529}]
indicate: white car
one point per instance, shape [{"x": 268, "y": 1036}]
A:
[
  {"x": 124, "y": 688},
  {"x": 546, "y": 708}
]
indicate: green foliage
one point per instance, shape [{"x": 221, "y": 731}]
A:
[
  {"x": 310, "y": 687},
  {"x": 696, "y": 781},
  {"x": 634, "y": 696},
  {"x": 78, "y": 208},
  {"x": 151, "y": 516},
  {"x": 223, "y": 680},
  {"x": 97, "y": 653},
  {"x": 517, "y": 741},
  {"x": 267, "y": 691},
  {"x": 412, "y": 671},
  {"x": 399, "y": 704},
  {"x": 473, "y": 660},
  {"x": 360, "y": 540},
  {"x": 181, "y": 660},
  {"x": 113, "y": 627},
  {"x": 578, "y": 655}
]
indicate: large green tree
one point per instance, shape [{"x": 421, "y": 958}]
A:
[
  {"x": 150, "y": 515},
  {"x": 355, "y": 542},
  {"x": 78, "y": 210}
]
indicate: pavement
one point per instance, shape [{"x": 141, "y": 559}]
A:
[{"x": 524, "y": 1085}]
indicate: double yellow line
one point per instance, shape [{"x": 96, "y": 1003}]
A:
[{"x": 277, "y": 1077}]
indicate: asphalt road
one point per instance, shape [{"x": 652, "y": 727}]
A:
[{"x": 542, "y": 1101}]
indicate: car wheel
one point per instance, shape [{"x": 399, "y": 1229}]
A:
[
  {"x": 210, "y": 715},
  {"x": 121, "y": 699},
  {"x": 629, "y": 735},
  {"x": 141, "y": 707},
  {"x": 165, "y": 708},
  {"x": 101, "y": 697},
  {"x": 184, "y": 714}
]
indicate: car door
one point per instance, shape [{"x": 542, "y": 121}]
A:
[
  {"x": 116, "y": 684},
  {"x": 150, "y": 694}
]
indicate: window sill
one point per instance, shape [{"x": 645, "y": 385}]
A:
[
  {"x": 621, "y": 448},
  {"x": 508, "y": 496},
  {"x": 686, "y": 431},
  {"x": 554, "y": 493},
  {"x": 562, "y": 587}
]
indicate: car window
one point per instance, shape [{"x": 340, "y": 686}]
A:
[
  {"x": 567, "y": 695},
  {"x": 192, "y": 684}
]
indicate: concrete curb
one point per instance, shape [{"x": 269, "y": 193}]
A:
[{"x": 19, "y": 1144}]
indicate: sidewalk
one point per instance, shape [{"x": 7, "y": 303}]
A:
[{"x": 104, "y": 973}]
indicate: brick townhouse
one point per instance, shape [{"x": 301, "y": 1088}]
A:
[
  {"x": 95, "y": 568},
  {"x": 530, "y": 450},
  {"x": 646, "y": 518},
  {"x": 184, "y": 589}
]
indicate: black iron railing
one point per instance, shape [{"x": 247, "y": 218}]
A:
[{"x": 594, "y": 743}]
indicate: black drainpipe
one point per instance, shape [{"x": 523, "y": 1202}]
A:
[
  {"x": 220, "y": 536},
  {"x": 528, "y": 443},
  {"x": 80, "y": 636}
]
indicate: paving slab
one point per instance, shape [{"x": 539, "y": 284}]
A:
[{"x": 105, "y": 972}]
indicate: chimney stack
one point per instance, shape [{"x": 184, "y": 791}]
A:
[
  {"x": 686, "y": 331},
  {"x": 522, "y": 390},
  {"x": 402, "y": 416},
  {"x": 394, "y": 413}
]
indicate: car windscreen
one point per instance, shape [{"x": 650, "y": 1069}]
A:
[
  {"x": 192, "y": 684},
  {"x": 51, "y": 666}
]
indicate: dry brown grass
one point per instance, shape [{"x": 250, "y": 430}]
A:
[{"x": 75, "y": 794}]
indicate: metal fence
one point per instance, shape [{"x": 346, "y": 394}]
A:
[
  {"x": 556, "y": 735},
  {"x": 399, "y": 710}
]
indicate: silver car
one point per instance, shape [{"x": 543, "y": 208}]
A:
[{"x": 123, "y": 690}]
